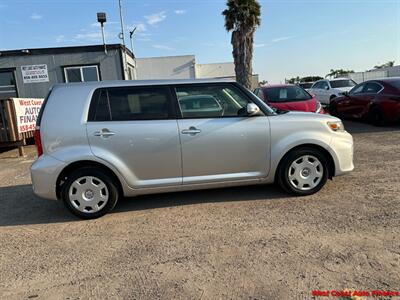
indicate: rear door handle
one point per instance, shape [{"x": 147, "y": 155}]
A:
[
  {"x": 104, "y": 133},
  {"x": 192, "y": 131}
]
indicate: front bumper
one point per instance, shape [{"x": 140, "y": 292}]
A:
[
  {"x": 342, "y": 149},
  {"x": 44, "y": 174}
]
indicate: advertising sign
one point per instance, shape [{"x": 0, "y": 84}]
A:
[
  {"x": 35, "y": 73},
  {"x": 26, "y": 111}
]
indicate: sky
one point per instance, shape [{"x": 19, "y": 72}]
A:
[{"x": 296, "y": 37}]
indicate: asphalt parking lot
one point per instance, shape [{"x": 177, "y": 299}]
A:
[{"x": 247, "y": 242}]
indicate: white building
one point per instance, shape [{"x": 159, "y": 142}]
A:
[
  {"x": 183, "y": 67},
  {"x": 166, "y": 67},
  {"x": 375, "y": 74}
]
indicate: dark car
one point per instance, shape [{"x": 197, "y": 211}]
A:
[
  {"x": 376, "y": 101},
  {"x": 305, "y": 85}
]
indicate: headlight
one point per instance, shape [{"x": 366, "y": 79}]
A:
[
  {"x": 319, "y": 107},
  {"x": 336, "y": 126}
]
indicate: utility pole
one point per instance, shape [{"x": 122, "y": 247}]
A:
[
  {"x": 131, "y": 37},
  {"x": 122, "y": 36}
]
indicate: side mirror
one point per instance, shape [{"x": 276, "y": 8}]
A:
[
  {"x": 252, "y": 109},
  {"x": 327, "y": 87},
  {"x": 346, "y": 94}
]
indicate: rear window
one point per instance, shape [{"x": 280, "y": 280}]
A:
[
  {"x": 286, "y": 94},
  {"x": 395, "y": 83},
  {"x": 306, "y": 85},
  {"x": 130, "y": 103},
  {"x": 342, "y": 83}
]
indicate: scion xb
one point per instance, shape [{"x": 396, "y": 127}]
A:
[{"x": 100, "y": 141}]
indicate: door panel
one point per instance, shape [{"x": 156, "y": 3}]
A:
[
  {"x": 134, "y": 129},
  {"x": 225, "y": 148},
  {"x": 148, "y": 153},
  {"x": 359, "y": 105}
]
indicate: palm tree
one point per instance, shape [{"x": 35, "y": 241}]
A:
[
  {"x": 385, "y": 65},
  {"x": 338, "y": 73},
  {"x": 242, "y": 18}
]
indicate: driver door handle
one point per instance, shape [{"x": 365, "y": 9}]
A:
[
  {"x": 191, "y": 131},
  {"x": 104, "y": 133}
]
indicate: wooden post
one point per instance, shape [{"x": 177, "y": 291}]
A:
[{"x": 21, "y": 151}]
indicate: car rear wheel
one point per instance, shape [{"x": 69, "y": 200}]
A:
[
  {"x": 377, "y": 117},
  {"x": 303, "y": 171},
  {"x": 89, "y": 193}
]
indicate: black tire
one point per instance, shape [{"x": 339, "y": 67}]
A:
[
  {"x": 333, "y": 110},
  {"x": 110, "y": 189},
  {"x": 294, "y": 155},
  {"x": 377, "y": 117}
]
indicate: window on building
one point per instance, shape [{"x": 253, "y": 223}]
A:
[
  {"x": 81, "y": 73},
  {"x": 131, "y": 74},
  {"x": 7, "y": 85}
]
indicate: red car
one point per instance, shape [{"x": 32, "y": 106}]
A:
[
  {"x": 377, "y": 101},
  {"x": 289, "y": 97}
]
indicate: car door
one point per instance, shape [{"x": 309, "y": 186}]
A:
[
  {"x": 318, "y": 91},
  {"x": 135, "y": 130},
  {"x": 219, "y": 141},
  {"x": 325, "y": 92},
  {"x": 345, "y": 106},
  {"x": 356, "y": 104},
  {"x": 360, "y": 104}
]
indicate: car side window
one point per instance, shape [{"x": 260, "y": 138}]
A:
[
  {"x": 211, "y": 101},
  {"x": 318, "y": 85},
  {"x": 101, "y": 106},
  {"x": 324, "y": 85},
  {"x": 358, "y": 89},
  {"x": 130, "y": 103},
  {"x": 372, "y": 88}
]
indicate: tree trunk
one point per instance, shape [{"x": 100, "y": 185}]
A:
[{"x": 242, "y": 44}]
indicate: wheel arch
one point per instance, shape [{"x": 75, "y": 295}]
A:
[
  {"x": 85, "y": 164},
  {"x": 324, "y": 152}
]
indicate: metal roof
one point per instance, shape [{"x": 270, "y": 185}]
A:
[
  {"x": 118, "y": 83},
  {"x": 61, "y": 50}
]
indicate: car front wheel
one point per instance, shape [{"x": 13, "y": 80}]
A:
[
  {"x": 89, "y": 193},
  {"x": 303, "y": 171}
]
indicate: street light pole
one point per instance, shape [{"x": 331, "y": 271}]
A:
[
  {"x": 122, "y": 36},
  {"x": 101, "y": 18},
  {"x": 104, "y": 40}
]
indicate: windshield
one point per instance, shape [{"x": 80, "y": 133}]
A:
[
  {"x": 342, "y": 83},
  {"x": 286, "y": 94}
]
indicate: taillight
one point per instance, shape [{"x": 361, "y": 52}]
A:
[{"x": 38, "y": 141}]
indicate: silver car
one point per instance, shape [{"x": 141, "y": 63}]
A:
[{"x": 99, "y": 141}]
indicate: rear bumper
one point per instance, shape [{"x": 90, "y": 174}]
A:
[
  {"x": 342, "y": 147},
  {"x": 44, "y": 174}
]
